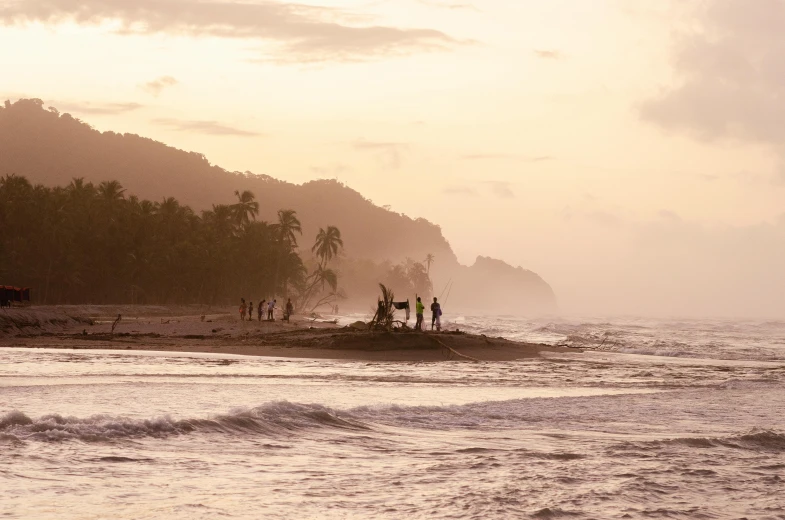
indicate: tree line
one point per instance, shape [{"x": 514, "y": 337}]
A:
[{"x": 91, "y": 244}]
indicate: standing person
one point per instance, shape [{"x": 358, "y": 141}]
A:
[
  {"x": 436, "y": 314},
  {"x": 260, "y": 310},
  {"x": 271, "y": 309},
  {"x": 420, "y": 310},
  {"x": 242, "y": 309},
  {"x": 289, "y": 310},
  {"x": 250, "y": 311}
]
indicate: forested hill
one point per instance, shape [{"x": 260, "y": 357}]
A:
[
  {"x": 45, "y": 147},
  {"x": 51, "y": 148}
]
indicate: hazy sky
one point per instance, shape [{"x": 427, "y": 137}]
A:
[{"x": 629, "y": 151}]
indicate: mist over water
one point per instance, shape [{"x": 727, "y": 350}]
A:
[{"x": 655, "y": 420}]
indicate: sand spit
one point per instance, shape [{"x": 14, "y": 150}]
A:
[{"x": 194, "y": 329}]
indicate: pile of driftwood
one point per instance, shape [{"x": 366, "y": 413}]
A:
[{"x": 384, "y": 318}]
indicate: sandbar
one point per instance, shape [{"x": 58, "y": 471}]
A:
[{"x": 219, "y": 331}]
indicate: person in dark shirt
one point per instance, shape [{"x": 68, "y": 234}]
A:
[
  {"x": 436, "y": 314},
  {"x": 289, "y": 310}
]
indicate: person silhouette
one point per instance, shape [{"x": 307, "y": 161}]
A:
[{"x": 436, "y": 314}]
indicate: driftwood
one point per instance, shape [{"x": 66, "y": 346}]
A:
[
  {"x": 383, "y": 318},
  {"x": 119, "y": 317}
]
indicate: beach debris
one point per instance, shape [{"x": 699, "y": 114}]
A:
[
  {"x": 384, "y": 317},
  {"x": 116, "y": 321}
]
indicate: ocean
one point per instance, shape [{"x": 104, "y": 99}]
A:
[{"x": 656, "y": 419}]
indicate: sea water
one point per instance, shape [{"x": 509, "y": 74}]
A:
[{"x": 656, "y": 419}]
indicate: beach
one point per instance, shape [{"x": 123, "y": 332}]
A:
[{"x": 194, "y": 329}]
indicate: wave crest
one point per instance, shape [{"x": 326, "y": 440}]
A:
[
  {"x": 760, "y": 440},
  {"x": 276, "y": 418}
]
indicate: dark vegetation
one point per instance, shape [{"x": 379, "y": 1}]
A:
[{"x": 85, "y": 243}]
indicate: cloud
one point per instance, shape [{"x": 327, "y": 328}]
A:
[
  {"x": 505, "y": 156},
  {"x": 546, "y": 54},
  {"x": 730, "y": 68},
  {"x": 460, "y": 190},
  {"x": 667, "y": 214},
  {"x": 604, "y": 218},
  {"x": 501, "y": 189},
  {"x": 448, "y": 4},
  {"x": 204, "y": 127},
  {"x": 301, "y": 33},
  {"x": 485, "y": 156},
  {"x": 755, "y": 178},
  {"x": 389, "y": 153},
  {"x": 99, "y": 109},
  {"x": 157, "y": 86}
]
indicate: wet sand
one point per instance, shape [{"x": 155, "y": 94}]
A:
[{"x": 189, "y": 329}]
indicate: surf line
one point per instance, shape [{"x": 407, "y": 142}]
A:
[{"x": 453, "y": 350}]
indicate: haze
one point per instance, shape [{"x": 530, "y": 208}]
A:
[{"x": 628, "y": 152}]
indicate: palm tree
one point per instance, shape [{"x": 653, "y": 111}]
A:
[
  {"x": 220, "y": 220},
  {"x": 246, "y": 208},
  {"x": 315, "y": 285},
  {"x": 110, "y": 191},
  {"x": 287, "y": 226},
  {"x": 327, "y": 244},
  {"x": 78, "y": 185},
  {"x": 325, "y": 276},
  {"x": 168, "y": 208},
  {"x": 429, "y": 259}
]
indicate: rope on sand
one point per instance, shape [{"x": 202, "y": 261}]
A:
[{"x": 452, "y": 350}]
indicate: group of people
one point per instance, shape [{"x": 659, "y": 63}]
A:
[
  {"x": 269, "y": 308},
  {"x": 264, "y": 307},
  {"x": 436, "y": 314}
]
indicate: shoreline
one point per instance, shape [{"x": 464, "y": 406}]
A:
[{"x": 180, "y": 329}]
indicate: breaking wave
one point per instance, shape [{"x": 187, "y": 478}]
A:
[
  {"x": 270, "y": 419},
  {"x": 759, "y": 440}
]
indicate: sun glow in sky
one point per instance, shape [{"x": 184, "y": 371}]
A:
[{"x": 592, "y": 141}]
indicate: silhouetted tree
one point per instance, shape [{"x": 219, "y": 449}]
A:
[
  {"x": 429, "y": 259},
  {"x": 327, "y": 244},
  {"x": 245, "y": 209},
  {"x": 287, "y": 226}
]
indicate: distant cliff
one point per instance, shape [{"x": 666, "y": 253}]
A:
[
  {"x": 492, "y": 285},
  {"x": 52, "y": 148}
]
